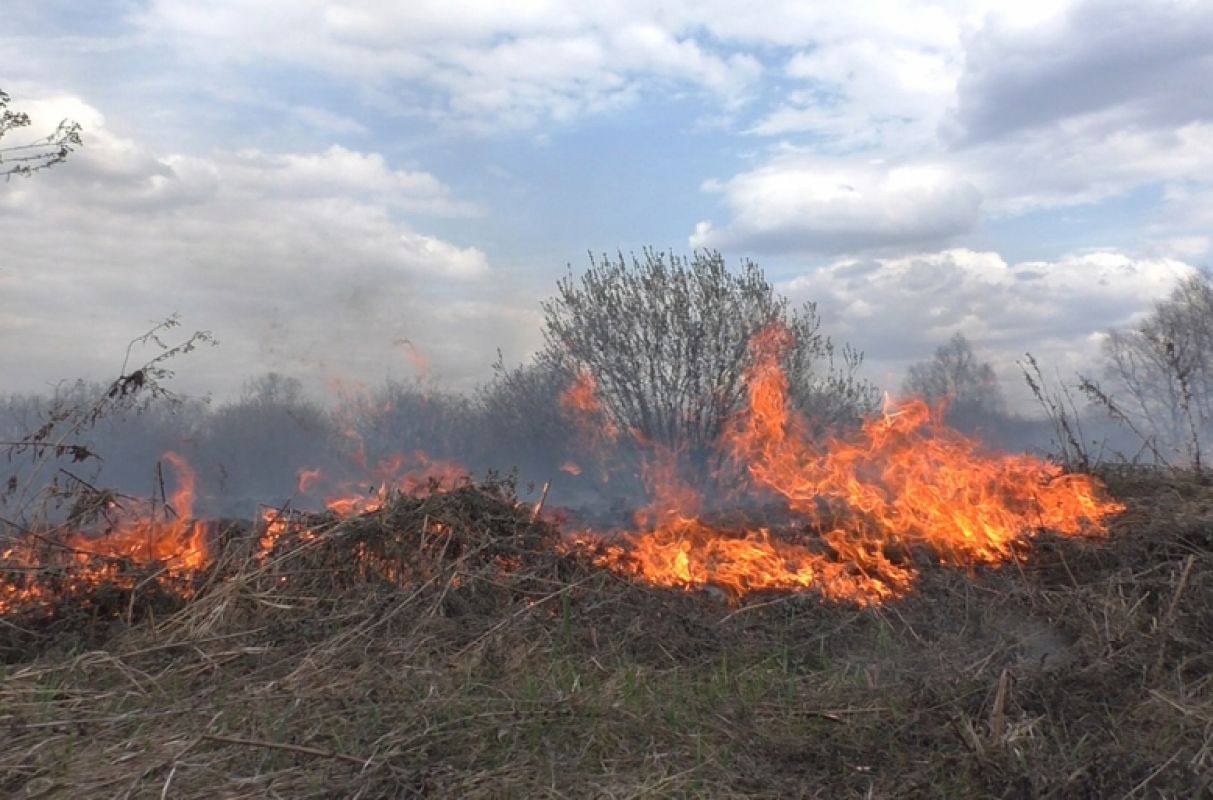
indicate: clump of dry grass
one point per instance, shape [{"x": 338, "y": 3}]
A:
[
  {"x": 70, "y": 599},
  {"x": 446, "y": 647}
]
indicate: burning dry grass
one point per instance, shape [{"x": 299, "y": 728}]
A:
[{"x": 444, "y": 646}]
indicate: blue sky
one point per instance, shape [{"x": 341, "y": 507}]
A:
[{"x": 313, "y": 181}]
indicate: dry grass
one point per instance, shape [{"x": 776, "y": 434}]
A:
[{"x": 466, "y": 657}]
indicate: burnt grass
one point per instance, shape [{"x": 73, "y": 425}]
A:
[{"x": 446, "y": 647}]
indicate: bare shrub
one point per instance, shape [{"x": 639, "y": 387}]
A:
[
  {"x": 1163, "y": 371},
  {"x": 66, "y": 424},
  {"x": 666, "y": 338},
  {"x": 520, "y": 418},
  {"x": 252, "y": 449},
  {"x": 400, "y": 417},
  {"x": 954, "y": 375},
  {"x": 1057, "y": 401}
]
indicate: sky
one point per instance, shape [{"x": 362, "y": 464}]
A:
[{"x": 333, "y": 188}]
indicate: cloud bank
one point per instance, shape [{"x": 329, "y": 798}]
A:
[{"x": 298, "y": 261}]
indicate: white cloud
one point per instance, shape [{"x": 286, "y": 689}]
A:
[
  {"x": 1183, "y": 247},
  {"x": 1088, "y": 105},
  {"x": 489, "y": 66},
  {"x": 519, "y": 64},
  {"x": 1036, "y": 104},
  {"x": 112, "y": 169},
  {"x": 298, "y": 262},
  {"x": 804, "y": 204},
  {"x": 1182, "y": 224},
  {"x": 880, "y": 128},
  {"x": 865, "y": 92},
  {"x": 1032, "y": 106},
  {"x": 338, "y": 169},
  {"x": 1081, "y": 165},
  {"x": 900, "y": 309},
  {"x": 326, "y": 121}
]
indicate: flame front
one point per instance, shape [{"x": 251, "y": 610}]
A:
[
  {"x": 139, "y": 535},
  {"x": 861, "y": 506},
  {"x": 903, "y": 483}
]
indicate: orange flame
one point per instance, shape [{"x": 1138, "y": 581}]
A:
[
  {"x": 903, "y": 482},
  {"x": 410, "y": 474},
  {"x": 417, "y": 359},
  {"x": 179, "y": 545},
  {"x": 582, "y": 404},
  {"x": 307, "y": 479},
  {"x": 137, "y": 536}
]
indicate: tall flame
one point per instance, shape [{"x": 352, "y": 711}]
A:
[
  {"x": 903, "y": 482},
  {"x": 139, "y": 535}
]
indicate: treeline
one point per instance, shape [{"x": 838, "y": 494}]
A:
[
  {"x": 1148, "y": 400},
  {"x": 666, "y": 340},
  {"x": 251, "y": 449}
]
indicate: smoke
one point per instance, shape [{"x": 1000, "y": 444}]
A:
[{"x": 254, "y": 450}]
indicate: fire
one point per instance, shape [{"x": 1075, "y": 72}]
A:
[
  {"x": 138, "y": 535},
  {"x": 863, "y": 510},
  {"x": 307, "y": 479},
  {"x": 903, "y": 483},
  {"x": 583, "y": 405},
  {"x": 400, "y": 474},
  {"x": 170, "y": 542},
  {"x": 418, "y": 360}
]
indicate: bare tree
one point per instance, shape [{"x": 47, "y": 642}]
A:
[
  {"x": 256, "y": 444},
  {"x": 38, "y": 154},
  {"x": 1161, "y": 372},
  {"x": 955, "y": 375},
  {"x": 666, "y": 337},
  {"x": 400, "y": 417},
  {"x": 521, "y": 421}
]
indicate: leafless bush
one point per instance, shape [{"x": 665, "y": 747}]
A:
[
  {"x": 520, "y": 417},
  {"x": 61, "y": 435},
  {"x": 955, "y": 376},
  {"x": 399, "y": 416},
  {"x": 667, "y": 339},
  {"x": 1163, "y": 368},
  {"x": 1057, "y": 401},
  {"x": 251, "y": 450}
]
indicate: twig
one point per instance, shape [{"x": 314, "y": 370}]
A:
[
  {"x": 1179, "y": 590},
  {"x": 1146, "y": 781},
  {"x": 177, "y": 762},
  {"x": 1066, "y": 565},
  {"x": 964, "y": 729},
  {"x": 1165, "y": 626},
  {"x": 764, "y": 604},
  {"x": 290, "y": 748},
  {"x": 535, "y": 512},
  {"x": 520, "y": 612},
  {"x": 998, "y": 714}
]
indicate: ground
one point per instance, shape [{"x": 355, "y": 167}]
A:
[{"x": 491, "y": 665}]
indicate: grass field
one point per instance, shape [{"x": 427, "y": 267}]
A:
[{"x": 364, "y": 658}]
